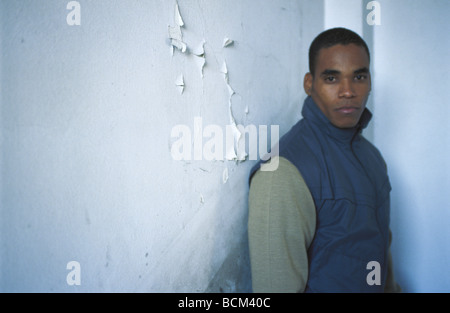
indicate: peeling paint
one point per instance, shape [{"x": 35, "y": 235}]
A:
[
  {"x": 179, "y": 82},
  {"x": 175, "y": 33},
  {"x": 176, "y": 38},
  {"x": 224, "y": 70},
  {"x": 225, "y": 175},
  {"x": 230, "y": 91},
  {"x": 236, "y": 134},
  {"x": 227, "y": 42},
  {"x": 201, "y": 62},
  {"x": 230, "y": 149},
  {"x": 230, "y": 142},
  {"x": 199, "y": 53},
  {"x": 178, "y": 18},
  {"x": 200, "y": 49}
]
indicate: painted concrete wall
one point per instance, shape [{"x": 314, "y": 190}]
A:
[
  {"x": 412, "y": 130},
  {"x": 86, "y": 118}
]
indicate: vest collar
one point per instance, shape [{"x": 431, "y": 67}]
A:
[{"x": 313, "y": 113}]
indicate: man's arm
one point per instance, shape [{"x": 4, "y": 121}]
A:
[{"x": 281, "y": 226}]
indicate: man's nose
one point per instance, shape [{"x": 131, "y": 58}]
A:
[{"x": 346, "y": 89}]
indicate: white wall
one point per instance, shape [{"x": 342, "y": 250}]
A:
[
  {"x": 87, "y": 113},
  {"x": 412, "y": 130},
  {"x": 348, "y": 14}
]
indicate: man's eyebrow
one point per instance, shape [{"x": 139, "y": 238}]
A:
[
  {"x": 330, "y": 72},
  {"x": 363, "y": 70}
]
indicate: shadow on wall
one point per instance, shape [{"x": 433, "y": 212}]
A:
[
  {"x": 401, "y": 234},
  {"x": 233, "y": 275}
]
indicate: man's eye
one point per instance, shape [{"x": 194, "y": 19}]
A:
[
  {"x": 330, "y": 79},
  {"x": 360, "y": 77}
]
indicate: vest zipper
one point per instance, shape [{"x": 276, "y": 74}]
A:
[{"x": 358, "y": 131}]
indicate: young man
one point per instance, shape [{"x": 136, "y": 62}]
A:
[{"x": 320, "y": 222}]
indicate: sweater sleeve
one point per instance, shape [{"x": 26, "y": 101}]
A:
[{"x": 281, "y": 226}]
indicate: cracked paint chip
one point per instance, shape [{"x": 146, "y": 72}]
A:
[
  {"x": 178, "y": 18},
  {"x": 225, "y": 175},
  {"x": 224, "y": 71},
  {"x": 241, "y": 155},
  {"x": 176, "y": 38},
  {"x": 224, "y": 68},
  {"x": 200, "y": 64},
  {"x": 231, "y": 92},
  {"x": 234, "y": 134},
  {"x": 199, "y": 53},
  {"x": 179, "y": 82},
  {"x": 175, "y": 34},
  {"x": 231, "y": 153},
  {"x": 231, "y": 133},
  {"x": 227, "y": 42},
  {"x": 234, "y": 150},
  {"x": 200, "y": 49}
]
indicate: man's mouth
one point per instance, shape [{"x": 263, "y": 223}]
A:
[{"x": 347, "y": 109}]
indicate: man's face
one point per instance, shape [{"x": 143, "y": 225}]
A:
[{"x": 341, "y": 83}]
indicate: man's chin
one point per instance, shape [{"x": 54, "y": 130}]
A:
[{"x": 345, "y": 124}]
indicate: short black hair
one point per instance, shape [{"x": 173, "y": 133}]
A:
[{"x": 330, "y": 38}]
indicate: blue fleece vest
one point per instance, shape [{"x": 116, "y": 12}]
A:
[{"x": 348, "y": 180}]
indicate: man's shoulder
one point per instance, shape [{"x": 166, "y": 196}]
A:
[
  {"x": 300, "y": 145},
  {"x": 374, "y": 153},
  {"x": 297, "y": 148},
  {"x": 286, "y": 175},
  {"x": 284, "y": 167}
]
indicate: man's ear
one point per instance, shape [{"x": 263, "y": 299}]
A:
[{"x": 307, "y": 83}]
